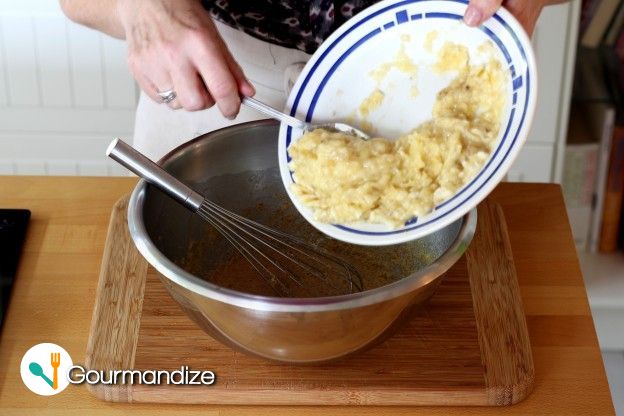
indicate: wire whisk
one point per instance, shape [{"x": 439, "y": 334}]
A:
[{"x": 288, "y": 264}]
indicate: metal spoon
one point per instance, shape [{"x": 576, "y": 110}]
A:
[{"x": 302, "y": 125}]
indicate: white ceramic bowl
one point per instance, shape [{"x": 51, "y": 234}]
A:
[{"x": 336, "y": 81}]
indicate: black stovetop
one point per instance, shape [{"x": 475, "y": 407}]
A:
[{"x": 13, "y": 224}]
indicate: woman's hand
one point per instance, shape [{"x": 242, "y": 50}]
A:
[
  {"x": 174, "y": 45},
  {"x": 526, "y": 11}
]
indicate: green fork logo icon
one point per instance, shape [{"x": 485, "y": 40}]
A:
[{"x": 43, "y": 378}]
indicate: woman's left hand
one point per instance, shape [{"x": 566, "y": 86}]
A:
[{"x": 526, "y": 11}]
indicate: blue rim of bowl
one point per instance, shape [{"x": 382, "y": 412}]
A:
[{"x": 404, "y": 17}]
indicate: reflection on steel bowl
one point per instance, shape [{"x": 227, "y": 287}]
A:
[{"x": 236, "y": 167}]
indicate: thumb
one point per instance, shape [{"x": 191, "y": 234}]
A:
[{"x": 478, "y": 11}]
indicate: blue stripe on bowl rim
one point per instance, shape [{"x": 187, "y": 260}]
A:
[{"x": 430, "y": 15}]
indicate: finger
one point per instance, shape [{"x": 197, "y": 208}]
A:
[
  {"x": 527, "y": 13},
  {"x": 151, "y": 90},
  {"x": 218, "y": 77},
  {"x": 174, "y": 104},
  {"x": 148, "y": 87},
  {"x": 156, "y": 77},
  {"x": 209, "y": 100},
  {"x": 191, "y": 91},
  {"x": 478, "y": 11},
  {"x": 145, "y": 82},
  {"x": 244, "y": 86},
  {"x": 162, "y": 83}
]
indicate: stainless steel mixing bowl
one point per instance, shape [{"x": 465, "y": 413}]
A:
[{"x": 237, "y": 168}]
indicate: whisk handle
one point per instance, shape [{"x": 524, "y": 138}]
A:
[{"x": 135, "y": 161}]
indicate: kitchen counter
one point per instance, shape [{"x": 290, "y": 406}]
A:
[{"x": 54, "y": 292}]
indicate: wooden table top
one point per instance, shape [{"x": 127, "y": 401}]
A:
[{"x": 53, "y": 296}]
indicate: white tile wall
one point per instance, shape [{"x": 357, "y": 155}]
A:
[
  {"x": 65, "y": 93},
  {"x": 52, "y": 51},
  {"x": 20, "y": 61}
]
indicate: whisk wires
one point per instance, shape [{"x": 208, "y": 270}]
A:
[{"x": 288, "y": 264}]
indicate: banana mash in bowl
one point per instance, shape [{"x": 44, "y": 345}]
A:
[
  {"x": 345, "y": 179},
  {"x": 448, "y": 108}
]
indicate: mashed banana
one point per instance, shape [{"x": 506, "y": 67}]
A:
[
  {"x": 345, "y": 179},
  {"x": 402, "y": 62}
]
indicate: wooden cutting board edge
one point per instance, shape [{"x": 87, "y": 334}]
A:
[
  {"x": 509, "y": 371},
  {"x": 118, "y": 304},
  {"x": 500, "y": 319}
]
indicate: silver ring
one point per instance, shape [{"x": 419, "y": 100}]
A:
[{"x": 167, "y": 96}]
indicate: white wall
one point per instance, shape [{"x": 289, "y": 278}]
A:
[
  {"x": 65, "y": 93},
  {"x": 554, "y": 43}
]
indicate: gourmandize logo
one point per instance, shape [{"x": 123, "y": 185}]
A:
[
  {"x": 44, "y": 369},
  {"x": 47, "y": 369}
]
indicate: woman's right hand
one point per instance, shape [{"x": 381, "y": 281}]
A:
[{"x": 173, "y": 44}]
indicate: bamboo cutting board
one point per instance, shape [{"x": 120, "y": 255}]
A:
[{"x": 468, "y": 346}]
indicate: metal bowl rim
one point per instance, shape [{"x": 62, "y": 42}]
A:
[{"x": 181, "y": 277}]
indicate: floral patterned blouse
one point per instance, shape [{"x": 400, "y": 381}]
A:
[{"x": 297, "y": 24}]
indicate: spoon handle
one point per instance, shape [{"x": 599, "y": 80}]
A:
[
  {"x": 43, "y": 376},
  {"x": 47, "y": 380},
  {"x": 276, "y": 114}
]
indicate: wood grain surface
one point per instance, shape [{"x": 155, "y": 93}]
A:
[
  {"x": 468, "y": 346},
  {"x": 500, "y": 321},
  {"x": 119, "y": 297},
  {"x": 54, "y": 295}
]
